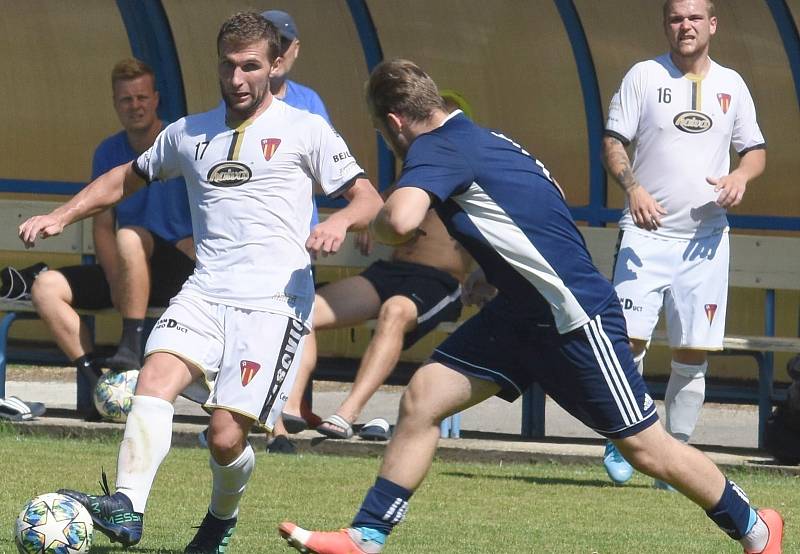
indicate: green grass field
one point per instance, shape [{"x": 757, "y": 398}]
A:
[{"x": 461, "y": 507}]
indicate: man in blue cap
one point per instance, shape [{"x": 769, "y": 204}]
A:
[{"x": 294, "y": 94}]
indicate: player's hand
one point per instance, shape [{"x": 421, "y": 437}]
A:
[
  {"x": 476, "y": 291},
  {"x": 645, "y": 211},
  {"x": 730, "y": 188},
  {"x": 43, "y": 226},
  {"x": 364, "y": 242},
  {"x": 326, "y": 237}
]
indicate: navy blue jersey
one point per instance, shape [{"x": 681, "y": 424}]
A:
[{"x": 501, "y": 204}]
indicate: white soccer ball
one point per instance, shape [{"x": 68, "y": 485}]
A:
[
  {"x": 53, "y": 524},
  {"x": 114, "y": 392}
]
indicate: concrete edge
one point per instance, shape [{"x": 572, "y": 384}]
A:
[{"x": 479, "y": 450}]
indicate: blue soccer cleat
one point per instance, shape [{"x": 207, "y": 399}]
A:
[
  {"x": 112, "y": 514},
  {"x": 616, "y": 465},
  {"x": 663, "y": 486}
]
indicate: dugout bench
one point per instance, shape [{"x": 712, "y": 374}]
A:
[
  {"x": 76, "y": 240},
  {"x": 757, "y": 262}
]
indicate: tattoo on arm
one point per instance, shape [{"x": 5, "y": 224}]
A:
[{"x": 619, "y": 165}]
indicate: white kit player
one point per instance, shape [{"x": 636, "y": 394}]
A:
[
  {"x": 239, "y": 322},
  {"x": 682, "y": 112}
]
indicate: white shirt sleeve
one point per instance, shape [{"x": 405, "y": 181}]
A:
[
  {"x": 746, "y": 132},
  {"x": 330, "y": 161},
  {"x": 626, "y": 105},
  {"x": 161, "y": 161}
]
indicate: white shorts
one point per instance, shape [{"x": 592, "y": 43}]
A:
[
  {"x": 689, "y": 278},
  {"x": 249, "y": 357}
]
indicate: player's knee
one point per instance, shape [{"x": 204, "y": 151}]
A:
[
  {"x": 644, "y": 458},
  {"x": 417, "y": 404},
  {"x": 225, "y": 444}
]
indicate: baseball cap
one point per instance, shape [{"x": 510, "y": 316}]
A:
[{"x": 283, "y": 21}]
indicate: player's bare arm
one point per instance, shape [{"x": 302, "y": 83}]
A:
[
  {"x": 363, "y": 203},
  {"x": 401, "y": 216},
  {"x": 731, "y": 187},
  {"x": 102, "y": 193},
  {"x": 645, "y": 211}
]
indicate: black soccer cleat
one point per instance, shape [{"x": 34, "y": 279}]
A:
[
  {"x": 124, "y": 359},
  {"x": 112, "y": 514},
  {"x": 213, "y": 536}
]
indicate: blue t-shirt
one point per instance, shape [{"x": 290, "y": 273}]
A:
[
  {"x": 502, "y": 205},
  {"x": 305, "y": 98},
  {"x": 162, "y": 208}
]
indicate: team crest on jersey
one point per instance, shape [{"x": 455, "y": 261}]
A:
[
  {"x": 269, "y": 146},
  {"x": 711, "y": 310},
  {"x": 229, "y": 174},
  {"x": 249, "y": 370},
  {"x": 692, "y": 122},
  {"x": 724, "y": 100}
]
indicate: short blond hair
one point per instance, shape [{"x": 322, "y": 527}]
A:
[
  {"x": 129, "y": 69},
  {"x": 710, "y": 8}
]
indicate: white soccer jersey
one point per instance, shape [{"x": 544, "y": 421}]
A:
[
  {"x": 683, "y": 127},
  {"x": 250, "y": 194}
]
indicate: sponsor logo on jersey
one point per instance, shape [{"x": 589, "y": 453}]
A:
[
  {"x": 248, "y": 370},
  {"x": 341, "y": 156},
  {"x": 269, "y": 146},
  {"x": 229, "y": 174},
  {"x": 648, "y": 401},
  {"x": 724, "y": 100},
  {"x": 711, "y": 310},
  {"x": 692, "y": 122},
  {"x": 170, "y": 323},
  {"x": 627, "y": 304}
]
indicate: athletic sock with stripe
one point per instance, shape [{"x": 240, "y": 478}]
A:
[{"x": 384, "y": 506}]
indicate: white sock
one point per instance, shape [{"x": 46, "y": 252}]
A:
[
  {"x": 686, "y": 391},
  {"x": 756, "y": 539},
  {"x": 148, "y": 435},
  {"x": 638, "y": 359},
  {"x": 229, "y": 482}
]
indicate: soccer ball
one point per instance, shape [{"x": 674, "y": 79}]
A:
[
  {"x": 114, "y": 392},
  {"x": 53, "y": 524}
]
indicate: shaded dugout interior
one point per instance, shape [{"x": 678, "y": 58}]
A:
[{"x": 543, "y": 71}]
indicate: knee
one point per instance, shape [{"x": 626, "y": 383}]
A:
[
  {"x": 415, "y": 404},
  {"x": 225, "y": 443},
  {"x": 50, "y": 286},
  {"x": 134, "y": 241},
  {"x": 399, "y": 311}
]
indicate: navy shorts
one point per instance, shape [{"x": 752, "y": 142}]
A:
[
  {"x": 436, "y": 293},
  {"x": 590, "y": 371},
  {"x": 169, "y": 268}
]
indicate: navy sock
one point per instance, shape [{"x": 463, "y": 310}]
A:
[
  {"x": 384, "y": 506},
  {"x": 732, "y": 512}
]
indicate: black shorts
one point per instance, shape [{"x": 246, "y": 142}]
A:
[
  {"x": 169, "y": 268},
  {"x": 437, "y": 294}
]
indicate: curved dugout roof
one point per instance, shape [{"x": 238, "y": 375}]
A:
[
  {"x": 513, "y": 63},
  {"x": 56, "y": 85}
]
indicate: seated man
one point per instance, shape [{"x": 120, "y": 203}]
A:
[
  {"x": 408, "y": 295},
  {"x": 144, "y": 245}
]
